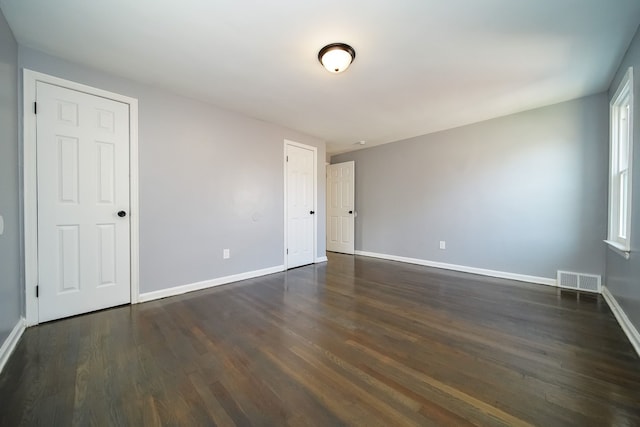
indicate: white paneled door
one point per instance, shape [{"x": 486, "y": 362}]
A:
[
  {"x": 83, "y": 202},
  {"x": 300, "y": 205},
  {"x": 340, "y": 207}
]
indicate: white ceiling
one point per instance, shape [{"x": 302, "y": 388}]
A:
[{"x": 421, "y": 65}]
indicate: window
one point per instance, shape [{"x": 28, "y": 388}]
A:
[{"x": 620, "y": 163}]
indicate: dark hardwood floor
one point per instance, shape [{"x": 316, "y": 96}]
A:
[{"x": 356, "y": 341}]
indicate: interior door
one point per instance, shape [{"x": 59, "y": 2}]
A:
[
  {"x": 341, "y": 207},
  {"x": 300, "y": 185},
  {"x": 83, "y": 202}
]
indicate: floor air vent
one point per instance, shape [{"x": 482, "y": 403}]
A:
[{"x": 579, "y": 281}]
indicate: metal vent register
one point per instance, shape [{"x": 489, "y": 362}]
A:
[{"x": 579, "y": 281}]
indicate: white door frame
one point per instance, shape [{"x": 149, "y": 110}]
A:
[
  {"x": 30, "y": 184},
  {"x": 353, "y": 215},
  {"x": 315, "y": 198}
]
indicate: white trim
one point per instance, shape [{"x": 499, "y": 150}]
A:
[
  {"x": 625, "y": 89},
  {"x": 315, "y": 197},
  {"x": 332, "y": 246},
  {"x": 629, "y": 329},
  {"x": 179, "y": 290},
  {"x": 618, "y": 248},
  {"x": 473, "y": 270},
  {"x": 134, "y": 206},
  {"x": 321, "y": 259},
  {"x": 31, "y": 184},
  {"x": 11, "y": 341}
]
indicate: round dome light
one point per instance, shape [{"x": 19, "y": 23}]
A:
[{"x": 336, "y": 57}]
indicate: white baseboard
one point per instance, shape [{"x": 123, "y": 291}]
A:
[
  {"x": 321, "y": 259},
  {"x": 178, "y": 290},
  {"x": 626, "y": 325},
  {"x": 10, "y": 343},
  {"x": 484, "y": 272}
]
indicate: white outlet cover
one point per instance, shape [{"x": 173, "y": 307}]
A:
[
  {"x": 1, "y": 225},
  {"x": 443, "y": 244}
]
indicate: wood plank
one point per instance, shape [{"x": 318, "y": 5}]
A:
[{"x": 355, "y": 341}]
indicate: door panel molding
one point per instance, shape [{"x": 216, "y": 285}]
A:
[
  {"x": 30, "y": 184},
  {"x": 314, "y": 196},
  {"x": 341, "y": 211}
]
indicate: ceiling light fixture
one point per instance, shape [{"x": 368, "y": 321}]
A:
[{"x": 336, "y": 57}]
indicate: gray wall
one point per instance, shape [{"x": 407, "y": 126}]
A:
[
  {"x": 523, "y": 194},
  {"x": 209, "y": 179},
  {"x": 623, "y": 276},
  {"x": 10, "y": 271}
]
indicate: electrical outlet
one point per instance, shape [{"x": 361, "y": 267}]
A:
[
  {"x": 443, "y": 244},
  {"x": 226, "y": 254}
]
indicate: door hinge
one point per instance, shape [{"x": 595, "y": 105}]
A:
[
  {"x": 287, "y": 251},
  {"x": 37, "y": 291},
  {"x": 35, "y": 108},
  {"x": 287, "y": 158}
]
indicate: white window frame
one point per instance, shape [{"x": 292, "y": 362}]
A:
[{"x": 619, "y": 230}]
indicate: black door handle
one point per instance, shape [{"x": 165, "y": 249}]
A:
[
  {"x": 350, "y": 212},
  {"x": 312, "y": 212},
  {"x": 122, "y": 214}
]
